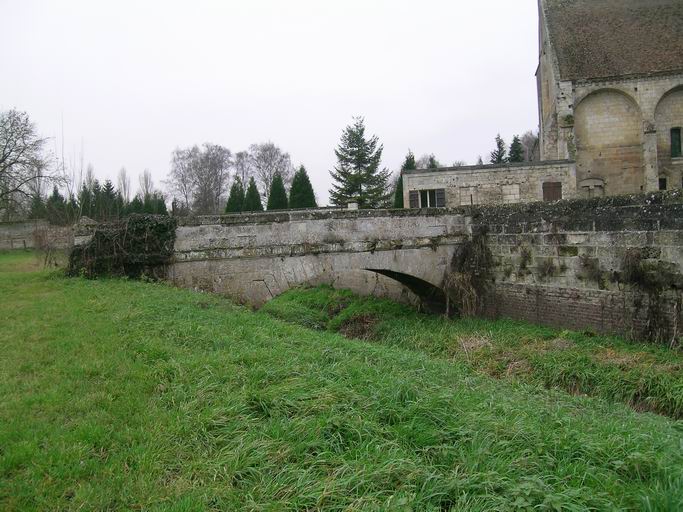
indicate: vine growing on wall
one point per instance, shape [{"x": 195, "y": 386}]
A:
[
  {"x": 469, "y": 276},
  {"x": 653, "y": 279},
  {"x": 136, "y": 246}
]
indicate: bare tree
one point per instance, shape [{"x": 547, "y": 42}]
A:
[
  {"x": 529, "y": 143},
  {"x": 267, "y": 160},
  {"x": 459, "y": 163},
  {"x": 146, "y": 184},
  {"x": 123, "y": 182},
  {"x": 23, "y": 164},
  {"x": 243, "y": 166},
  {"x": 182, "y": 178},
  {"x": 212, "y": 165}
]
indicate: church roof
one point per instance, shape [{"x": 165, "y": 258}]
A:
[{"x": 610, "y": 38}]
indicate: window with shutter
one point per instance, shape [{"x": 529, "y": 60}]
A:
[
  {"x": 440, "y": 198},
  {"x": 414, "y": 199},
  {"x": 552, "y": 191},
  {"x": 676, "y": 143}
]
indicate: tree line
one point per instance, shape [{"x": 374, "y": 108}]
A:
[{"x": 206, "y": 179}]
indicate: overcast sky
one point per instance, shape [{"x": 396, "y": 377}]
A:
[{"x": 132, "y": 80}]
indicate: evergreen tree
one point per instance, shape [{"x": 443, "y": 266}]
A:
[
  {"x": 72, "y": 210},
  {"x": 357, "y": 175},
  {"x": 97, "y": 209},
  {"x": 135, "y": 206},
  {"x": 252, "y": 199},
  {"x": 301, "y": 194},
  {"x": 108, "y": 200},
  {"x": 236, "y": 197},
  {"x": 433, "y": 163},
  {"x": 56, "y": 208},
  {"x": 480, "y": 161},
  {"x": 85, "y": 202},
  {"x": 277, "y": 199},
  {"x": 408, "y": 165},
  {"x": 38, "y": 210},
  {"x": 498, "y": 155},
  {"x": 516, "y": 153}
]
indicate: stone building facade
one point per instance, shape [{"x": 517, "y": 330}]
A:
[{"x": 610, "y": 97}]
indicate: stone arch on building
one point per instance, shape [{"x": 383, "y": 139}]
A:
[
  {"x": 608, "y": 131},
  {"x": 669, "y": 126}
]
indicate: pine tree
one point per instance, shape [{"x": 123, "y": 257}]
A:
[
  {"x": 252, "y": 199},
  {"x": 108, "y": 200},
  {"x": 516, "y": 153},
  {"x": 55, "y": 207},
  {"x": 357, "y": 175},
  {"x": 433, "y": 163},
  {"x": 408, "y": 165},
  {"x": 85, "y": 202},
  {"x": 135, "y": 206},
  {"x": 236, "y": 197},
  {"x": 277, "y": 199},
  {"x": 97, "y": 201},
  {"x": 38, "y": 210},
  {"x": 301, "y": 195},
  {"x": 498, "y": 155}
]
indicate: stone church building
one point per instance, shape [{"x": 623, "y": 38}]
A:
[{"x": 610, "y": 101}]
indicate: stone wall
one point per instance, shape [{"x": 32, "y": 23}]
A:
[
  {"x": 563, "y": 264},
  {"x": 556, "y": 263},
  {"x": 492, "y": 184},
  {"x": 34, "y": 234},
  {"x": 255, "y": 257}
]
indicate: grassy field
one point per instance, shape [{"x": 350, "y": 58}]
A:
[
  {"x": 647, "y": 377},
  {"x": 122, "y": 395}
]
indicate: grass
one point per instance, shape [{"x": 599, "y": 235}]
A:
[
  {"x": 123, "y": 395},
  {"x": 647, "y": 377}
]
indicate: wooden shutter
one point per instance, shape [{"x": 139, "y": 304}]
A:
[
  {"x": 414, "y": 197},
  {"x": 440, "y": 198},
  {"x": 675, "y": 142},
  {"x": 552, "y": 191}
]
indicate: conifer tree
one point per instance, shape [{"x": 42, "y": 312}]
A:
[
  {"x": 135, "y": 206},
  {"x": 433, "y": 163},
  {"x": 516, "y": 153},
  {"x": 236, "y": 197},
  {"x": 38, "y": 210},
  {"x": 301, "y": 194},
  {"x": 277, "y": 199},
  {"x": 55, "y": 207},
  {"x": 409, "y": 164},
  {"x": 357, "y": 174},
  {"x": 108, "y": 200},
  {"x": 85, "y": 202},
  {"x": 252, "y": 199},
  {"x": 498, "y": 155}
]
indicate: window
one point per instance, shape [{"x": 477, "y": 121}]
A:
[
  {"x": 676, "y": 143},
  {"x": 662, "y": 183},
  {"x": 414, "y": 197},
  {"x": 552, "y": 191},
  {"x": 435, "y": 198}
]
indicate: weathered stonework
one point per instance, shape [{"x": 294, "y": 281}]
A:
[
  {"x": 493, "y": 184},
  {"x": 610, "y": 89},
  {"x": 34, "y": 234},
  {"x": 555, "y": 263}
]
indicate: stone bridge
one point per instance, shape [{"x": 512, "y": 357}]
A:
[
  {"x": 560, "y": 263},
  {"x": 400, "y": 254}
]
